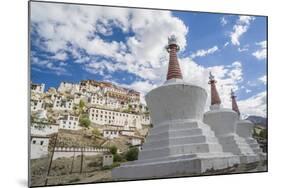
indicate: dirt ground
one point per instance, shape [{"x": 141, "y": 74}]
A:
[{"x": 67, "y": 171}]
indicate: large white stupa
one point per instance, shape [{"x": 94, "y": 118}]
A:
[
  {"x": 179, "y": 142},
  {"x": 223, "y": 122}
]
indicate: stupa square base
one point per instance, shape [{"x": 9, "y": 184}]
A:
[
  {"x": 249, "y": 158},
  {"x": 193, "y": 166}
]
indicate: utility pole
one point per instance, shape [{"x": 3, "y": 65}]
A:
[
  {"x": 72, "y": 162},
  {"x": 50, "y": 164},
  {"x": 81, "y": 167}
]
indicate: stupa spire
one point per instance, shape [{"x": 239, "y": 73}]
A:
[
  {"x": 174, "y": 70},
  {"x": 234, "y": 103},
  {"x": 215, "y": 98}
]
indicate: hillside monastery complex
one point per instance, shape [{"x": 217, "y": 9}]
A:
[{"x": 114, "y": 110}]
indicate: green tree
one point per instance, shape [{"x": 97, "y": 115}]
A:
[
  {"x": 132, "y": 154},
  {"x": 117, "y": 158},
  {"x": 113, "y": 150},
  {"x": 81, "y": 104},
  {"x": 84, "y": 121}
]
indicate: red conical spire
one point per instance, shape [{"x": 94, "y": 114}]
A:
[
  {"x": 215, "y": 98},
  {"x": 234, "y": 103},
  {"x": 174, "y": 70}
]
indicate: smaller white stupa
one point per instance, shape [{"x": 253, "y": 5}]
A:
[
  {"x": 244, "y": 128},
  {"x": 223, "y": 122}
]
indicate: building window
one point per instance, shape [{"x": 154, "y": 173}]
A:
[
  {"x": 41, "y": 143},
  {"x": 34, "y": 141}
]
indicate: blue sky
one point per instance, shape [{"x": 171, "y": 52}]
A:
[{"x": 126, "y": 46}]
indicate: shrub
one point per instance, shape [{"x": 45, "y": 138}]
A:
[
  {"x": 113, "y": 150},
  {"x": 84, "y": 121},
  {"x": 117, "y": 158},
  {"x": 81, "y": 104},
  {"x": 96, "y": 132},
  {"x": 132, "y": 154},
  {"x": 263, "y": 134}
]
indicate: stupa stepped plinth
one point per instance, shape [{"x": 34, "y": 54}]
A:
[
  {"x": 179, "y": 142},
  {"x": 244, "y": 128}
]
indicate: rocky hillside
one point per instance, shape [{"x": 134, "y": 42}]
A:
[{"x": 258, "y": 120}]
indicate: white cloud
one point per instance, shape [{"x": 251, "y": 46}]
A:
[
  {"x": 255, "y": 105},
  {"x": 78, "y": 29},
  {"x": 60, "y": 56},
  {"x": 223, "y": 21},
  {"x": 262, "y": 52},
  {"x": 242, "y": 25},
  {"x": 202, "y": 52},
  {"x": 48, "y": 66},
  {"x": 226, "y": 44},
  {"x": 244, "y": 48},
  {"x": 263, "y": 79},
  {"x": 248, "y": 91}
]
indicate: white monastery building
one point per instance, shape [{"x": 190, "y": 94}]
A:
[
  {"x": 111, "y": 117},
  {"x": 110, "y": 133},
  {"x": 135, "y": 140},
  {"x": 36, "y": 105},
  {"x": 62, "y": 103},
  {"x": 43, "y": 128},
  {"x": 66, "y": 87},
  {"x": 145, "y": 119},
  {"x": 68, "y": 122},
  {"x": 127, "y": 132},
  {"x": 37, "y": 88},
  {"x": 39, "y": 146}
]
